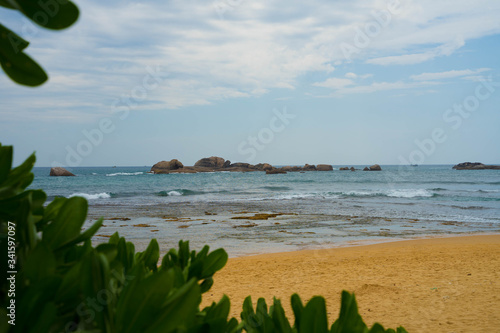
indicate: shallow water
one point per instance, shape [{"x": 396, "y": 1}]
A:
[{"x": 321, "y": 209}]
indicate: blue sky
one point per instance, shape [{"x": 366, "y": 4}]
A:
[{"x": 284, "y": 82}]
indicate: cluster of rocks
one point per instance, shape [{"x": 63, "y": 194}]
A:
[
  {"x": 214, "y": 163},
  {"x": 374, "y": 167},
  {"x": 475, "y": 166},
  {"x": 208, "y": 164},
  {"x": 307, "y": 167}
]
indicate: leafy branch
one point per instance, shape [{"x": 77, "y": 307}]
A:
[{"x": 50, "y": 14}]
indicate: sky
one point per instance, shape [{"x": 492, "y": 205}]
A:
[{"x": 283, "y": 82}]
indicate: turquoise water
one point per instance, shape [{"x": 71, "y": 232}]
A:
[{"x": 321, "y": 208}]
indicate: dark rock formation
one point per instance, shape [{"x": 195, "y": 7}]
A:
[
  {"x": 263, "y": 166},
  {"x": 275, "y": 171},
  {"x": 242, "y": 165},
  {"x": 475, "y": 166},
  {"x": 166, "y": 166},
  {"x": 214, "y": 163},
  {"x": 60, "y": 172},
  {"x": 210, "y": 162},
  {"x": 344, "y": 168},
  {"x": 291, "y": 168},
  {"x": 375, "y": 167},
  {"x": 324, "y": 167},
  {"x": 308, "y": 167}
]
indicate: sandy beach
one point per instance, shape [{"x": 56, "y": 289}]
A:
[{"x": 427, "y": 285}]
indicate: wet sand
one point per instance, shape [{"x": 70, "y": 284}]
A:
[{"x": 428, "y": 285}]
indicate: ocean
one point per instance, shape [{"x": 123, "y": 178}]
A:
[{"x": 315, "y": 209}]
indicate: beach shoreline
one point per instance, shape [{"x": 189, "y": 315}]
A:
[{"x": 449, "y": 284}]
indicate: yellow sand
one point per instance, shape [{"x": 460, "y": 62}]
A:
[{"x": 429, "y": 285}]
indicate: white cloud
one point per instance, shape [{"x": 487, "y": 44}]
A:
[
  {"x": 380, "y": 86},
  {"x": 410, "y": 59},
  {"x": 448, "y": 74},
  {"x": 257, "y": 47},
  {"x": 334, "y": 83}
]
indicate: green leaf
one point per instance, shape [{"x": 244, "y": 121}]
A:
[
  {"x": 206, "y": 285},
  {"x": 349, "y": 319},
  {"x": 219, "y": 310},
  {"x": 40, "y": 263},
  {"x": 10, "y": 208},
  {"x": 12, "y": 43},
  {"x": 151, "y": 255},
  {"x": 87, "y": 234},
  {"x": 70, "y": 287},
  {"x": 50, "y": 14},
  {"x": 183, "y": 254},
  {"x": 95, "y": 269},
  {"x": 179, "y": 309},
  {"x": 31, "y": 299},
  {"x": 248, "y": 314},
  {"x": 19, "y": 178},
  {"x": 26, "y": 234},
  {"x": 22, "y": 69},
  {"x": 5, "y": 3},
  {"x": 377, "y": 328},
  {"x": 5, "y": 162},
  {"x": 214, "y": 262},
  {"x": 16, "y": 64},
  {"x": 278, "y": 315},
  {"x": 67, "y": 225},
  {"x": 142, "y": 299},
  {"x": 45, "y": 320},
  {"x": 314, "y": 319},
  {"x": 51, "y": 211},
  {"x": 213, "y": 319},
  {"x": 297, "y": 308}
]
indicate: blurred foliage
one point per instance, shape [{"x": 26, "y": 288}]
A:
[
  {"x": 50, "y": 14},
  {"x": 65, "y": 284}
]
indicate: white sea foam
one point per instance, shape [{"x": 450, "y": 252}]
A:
[
  {"x": 362, "y": 193},
  {"x": 124, "y": 174},
  {"x": 294, "y": 196},
  {"x": 411, "y": 193},
  {"x": 174, "y": 193},
  {"x": 92, "y": 196}
]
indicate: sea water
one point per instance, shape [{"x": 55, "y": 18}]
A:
[{"x": 319, "y": 209}]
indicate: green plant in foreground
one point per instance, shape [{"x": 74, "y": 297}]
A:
[
  {"x": 309, "y": 318},
  {"x": 65, "y": 284}
]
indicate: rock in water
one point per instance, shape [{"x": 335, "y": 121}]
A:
[
  {"x": 309, "y": 167},
  {"x": 240, "y": 165},
  {"x": 165, "y": 167},
  {"x": 274, "y": 171},
  {"x": 210, "y": 162},
  {"x": 263, "y": 166},
  {"x": 58, "y": 172},
  {"x": 324, "y": 167},
  {"x": 375, "y": 167},
  {"x": 475, "y": 166}
]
